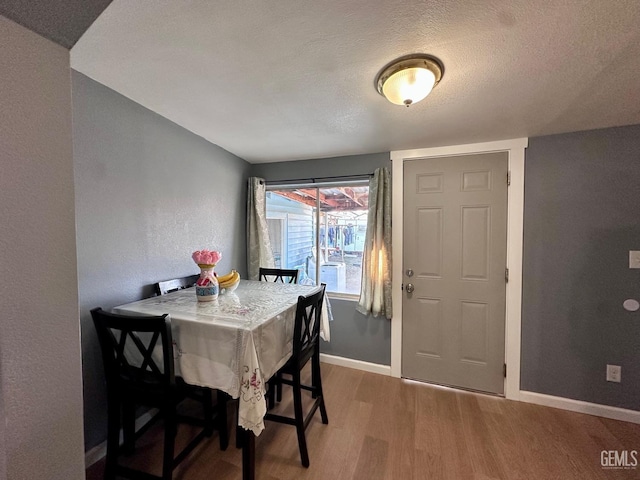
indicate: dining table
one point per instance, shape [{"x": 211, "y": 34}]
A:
[{"x": 234, "y": 344}]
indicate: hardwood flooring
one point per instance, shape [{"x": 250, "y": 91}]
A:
[{"x": 383, "y": 428}]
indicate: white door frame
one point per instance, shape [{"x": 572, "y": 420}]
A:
[{"x": 515, "y": 198}]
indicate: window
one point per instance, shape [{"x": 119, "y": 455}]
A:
[{"x": 331, "y": 254}]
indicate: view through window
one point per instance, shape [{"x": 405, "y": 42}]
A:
[{"x": 331, "y": 254}]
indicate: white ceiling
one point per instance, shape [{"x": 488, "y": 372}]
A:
[{"x": 294, "y": 79}]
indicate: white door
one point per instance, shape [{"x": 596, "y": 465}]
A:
[{"x": 454, "y": 266}]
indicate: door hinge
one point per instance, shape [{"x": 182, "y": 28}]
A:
[
  {"x": 506, "y": 274},
  {"x": 504, "y": 370},
  {"x": 508, "y": 178}
]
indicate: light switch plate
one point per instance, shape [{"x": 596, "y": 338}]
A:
[{"x": 634, "y": 258}]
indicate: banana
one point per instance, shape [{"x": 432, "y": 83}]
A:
[
  {"x": 235, "y": 278},
  {"x": 225, "y": 278},
  {"x": 229, "y": 281}
]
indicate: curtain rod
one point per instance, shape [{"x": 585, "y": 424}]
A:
[{"x": 361, "y": 176}]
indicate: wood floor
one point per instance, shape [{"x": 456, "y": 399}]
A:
[{"x": 386, "y": 428}]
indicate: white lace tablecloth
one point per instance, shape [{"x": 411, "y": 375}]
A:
[{"x": 236, "y": 343}]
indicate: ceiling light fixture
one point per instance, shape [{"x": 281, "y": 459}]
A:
[{"x": 407, "y": 80}]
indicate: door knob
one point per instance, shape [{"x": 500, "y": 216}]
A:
[{"x": 410, "y": 287}]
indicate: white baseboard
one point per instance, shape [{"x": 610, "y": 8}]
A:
[
  {"x": 357, "y": 364},
  {"x": 579, "y": 406},
  {"x": 99, "y": 451},
  {"x": 569, "y": 404}
]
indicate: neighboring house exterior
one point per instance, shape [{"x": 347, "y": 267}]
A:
[{"x": 291, "y": 231}]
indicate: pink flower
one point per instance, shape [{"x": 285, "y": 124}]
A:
[
  {"x": 254, "y": 382},
  {"x": 206, "y": 257}
]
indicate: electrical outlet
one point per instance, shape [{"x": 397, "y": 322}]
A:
[
  {"x": 614, "y": 373},
  {"x": 634, "y": 258}
]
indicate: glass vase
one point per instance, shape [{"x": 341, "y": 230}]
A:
[{"x": 207, "y": 288}]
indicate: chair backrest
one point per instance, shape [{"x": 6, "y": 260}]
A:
[
  {"x": 306, "y": 331},
  {"x": 168, "y": 286},
  {"x": 279, "y": 275},
  {"x": 128, "y": 344}
]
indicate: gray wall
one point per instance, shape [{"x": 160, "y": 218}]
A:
[
  {"x": 40, "y": 378},
  {"x": 63, "y": 21},
  {"x": 582, "y": 216},
  {"x": 353, "y": 335},
  {"x": 148, "y": 193}
]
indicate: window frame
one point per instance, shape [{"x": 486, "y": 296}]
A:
[{"x": 296, "y": 185}]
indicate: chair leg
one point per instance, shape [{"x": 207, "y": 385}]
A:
[
  {"x": 299, "y": 418},
  {"x": 113, "y": 439},
  {"x": 317, "y": 384},
  {"x": 239, "y": 436},
  {"x": 315, "y": 372},
  {"x": 271, "y": 393},
  {"x": 323, "y": 408},
  {"x": 223, "y": 425},
  {"x": 234, "y": 421},
  {"x": 207, "y": 407},
  {"x": 279, "y": 385},
  {"x": 128, "y": 427},
  {"x": 248, "y": 440},
  {"x": 170, "y": 431}
]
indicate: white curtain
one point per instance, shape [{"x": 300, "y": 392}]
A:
[
  {"x": 259, "y": 253},
  {"x": 375, "y": 293}
]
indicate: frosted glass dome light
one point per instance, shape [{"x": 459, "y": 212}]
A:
[{"x": 408, "y": 80}]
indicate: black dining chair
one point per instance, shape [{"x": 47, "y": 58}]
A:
[
  {"x": 306, "y": 346},
  {"x": 138, "y": 356},
  {"x": 168, "y": 286},
  {"x": 281, "y": 275}
]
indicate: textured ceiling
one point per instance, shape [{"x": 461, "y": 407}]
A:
[
  {"x": 292, "y": 79},
  {"x": 62, "y": 21}
]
